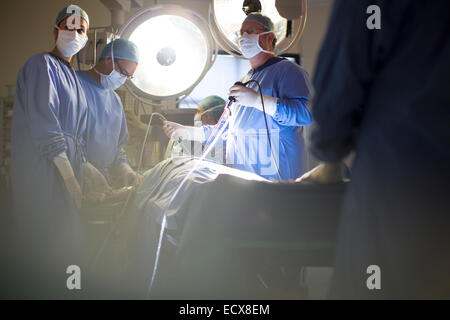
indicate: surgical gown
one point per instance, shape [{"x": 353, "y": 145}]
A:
[
  {"x": 247, "y": 146},
  {"x": 386, "y": 94},
  {"x": 49, "y": 118},
  {"x": 107, "y": 126}
]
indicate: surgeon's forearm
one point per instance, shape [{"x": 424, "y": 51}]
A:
[
  {"x": 62, "y": 162},
  {"x": 293, "y": 112},
  {"x": 190, "y": 133},
  {"x": 332, "y": 168},
  {"x": 270, "y": 104},
  {"x": 198, "y": 134},
  {"x": 124, "y": 167},
  {"x": 331, "y": 172},
  {"x": 64, "y": 167},
  {"x": 94, "y": 180},
  {"x": 128, "y": 175},
  {"x": 325, "y": 173}
]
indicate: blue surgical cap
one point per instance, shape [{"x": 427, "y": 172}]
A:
[
  {"x": 123, "y": 49},
  {"x": 213, "y": 106},
  {"x": 72, "y": 10},
  {"x": 261, "y": 19}
]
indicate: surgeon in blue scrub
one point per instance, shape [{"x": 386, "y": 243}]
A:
[
  {"x": 48, "y": 140},
  {"x": 286, "y": 90},
  {"x": 107, "y": 126}
]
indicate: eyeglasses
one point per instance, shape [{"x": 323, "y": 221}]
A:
[
  {"x": 129, "y": 77},
  {"x": 80, "y": 30},
  {"x": 252, "y": 31}
]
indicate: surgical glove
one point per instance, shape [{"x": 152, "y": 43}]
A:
[
  {"x": 176, "y": 131},
  {"x": 64, "y": 167},
  {"x": 324, "y": 173},
  {"x": 128, "y": 176},
  {"x": 249, "y": 97},
  {"x": 94, "y": 180},
  {"x": 95, "y": 198}
]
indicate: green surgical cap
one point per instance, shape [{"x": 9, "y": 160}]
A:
[
  {"x": 261, "y": 19},
  {"x": 72, "y": 10},
  {"x": 123, "y": 49},
  {"x": 212, "y": 102}
]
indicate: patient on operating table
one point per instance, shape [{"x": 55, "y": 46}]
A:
[
  {"x": 160, "y": 182},
  {"x": 183, "y": 175}
]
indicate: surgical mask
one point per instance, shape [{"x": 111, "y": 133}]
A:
[
  {"x": 198, "y": 116},
  {"x": 113, "y": 80},
  {"x": 69, "y": 42},
  {"x": 249, "y": 45}
]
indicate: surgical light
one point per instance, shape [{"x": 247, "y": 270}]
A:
[
  {"x": 226, "y": 17},
  {"x": 176, "y": 50}
]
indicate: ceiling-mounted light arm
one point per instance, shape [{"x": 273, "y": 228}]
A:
[
  {"x": 251, "y": 6},
  {"x": 301, "y": 24},
  {"x": 119, "y": 9}
]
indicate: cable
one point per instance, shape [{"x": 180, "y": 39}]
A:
[
  {"x": 206, "y": 152},
  {"x": 122, "y": 212},
  {"x": 227, "y": 106},
  {"x": 208, "y": 148},
  {"x": 164, "y": 220},
  {"x": 231, "y": 100},
  {"x": 217, "y": 125},
  {"x": 267, "y": 127}
]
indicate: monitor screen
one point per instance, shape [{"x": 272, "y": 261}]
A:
[{"x": 225, "y": 71}]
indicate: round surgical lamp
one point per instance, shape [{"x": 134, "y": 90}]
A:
[
  {"x": 176, "y": 50},
  {"x": 226, "y": 17}
]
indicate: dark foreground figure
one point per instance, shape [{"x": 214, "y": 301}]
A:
[{"x": 386, "y": 95}]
